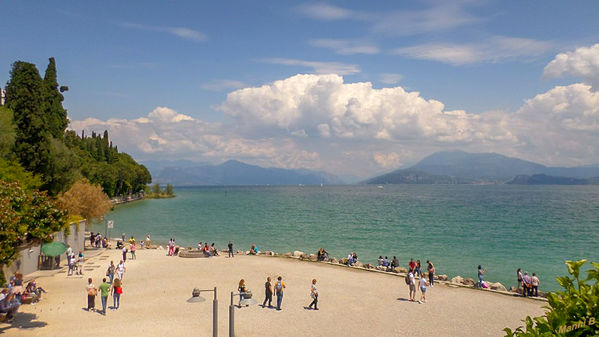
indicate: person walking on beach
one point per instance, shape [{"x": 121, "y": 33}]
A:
[
  {"x": 423, "y": 283},
  {"x": 535, "y": 285},
  {"x": 171, "y": 247},
  {"x": 230, "y": 245},
  {"x": 116, "y": 290},
  {"x": 133, "y": 257},
  {"x": 110, "y": 271},
  {"x": 481, "y": 272},
  {"x": 431, "y": 273},
  {"x": 124, "y": 253},
  {"x": 314, "y": 295},
  {"x": 519, "y": 277},
  {"x": 412, "y": 285},
  {"x": 104, "y": 288},
  {"x": 91, "y": 295},
  {"x": 267, "y": 293},
  {"x": 120, "y": 269},
  {"x": 279, "y": 287},
  {"x": 80, "y": 263}
]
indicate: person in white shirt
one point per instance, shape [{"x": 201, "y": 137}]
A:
[
  {"x": 314, "y": 295},
  {"x": 423, "y": 284},
  {"x": 120, "y": 269},
  {"x": 412, "y": 285}
]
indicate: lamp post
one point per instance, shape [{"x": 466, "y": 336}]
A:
[
  {"x": 195, "y": 297},
  {"x": 247, "y": 300}
]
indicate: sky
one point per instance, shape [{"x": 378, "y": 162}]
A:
[{"x": 354, "y": 88}]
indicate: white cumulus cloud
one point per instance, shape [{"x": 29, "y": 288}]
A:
[{"x": 583, "y": 62}]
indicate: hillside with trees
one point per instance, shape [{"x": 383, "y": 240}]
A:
[{"x": 49, "y": 175}]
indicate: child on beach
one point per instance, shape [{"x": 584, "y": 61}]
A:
[
  {"x": 481, "y": 272},
  {"x": 230, "y": 245},
  {"x": 423, "y": 283},
  {"x": 241, "y": 290}
]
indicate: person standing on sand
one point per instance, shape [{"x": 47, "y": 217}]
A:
[
  {"x": 519, "y": 277},
  {"x": 412, "y": 285},
  {"x": 124, "y": 253},
  {"x": 133, "y": 257},
  {"x": 116, "y": 290},
  {"x": 314, "y": 295},
  {"x": 418, "y": 266},
  {"x": 120, "y": 269},
  {"x": 431, "y": 273},
  {"x": 148, "y": 241},
  {"x": 527, "y": 283},
  {"x": 110, "y": 271},
  {"x": 535, "y": 285},
  {"x": 423, "y": 283},
  {"x": 91, "y": 295},
  {"x": 267, "y": 293},
  {"x": 104, "y": 287},
  {"x": 279, "y": 286},
  {"x": 481, "y": 272},
  {"x": 231, "y": 249}
]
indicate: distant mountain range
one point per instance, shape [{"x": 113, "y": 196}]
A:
[
  {"x": 233, "y": 172},
  {"x": 459, "y": 167}
]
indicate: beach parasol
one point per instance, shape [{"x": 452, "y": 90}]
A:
[{"x": 54, "y": 248}]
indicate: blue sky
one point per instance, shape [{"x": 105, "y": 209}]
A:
[{"x": 198, "y": 80}]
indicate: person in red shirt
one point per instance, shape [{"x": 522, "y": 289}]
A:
[{"x": 412, "y": 264}]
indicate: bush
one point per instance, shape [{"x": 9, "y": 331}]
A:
[{"x": 571, "y": 312}]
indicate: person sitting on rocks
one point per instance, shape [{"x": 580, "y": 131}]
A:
[
  {"x": 386, "y": 262},
  {"x": 394, "y": 262},
  {"x": 253, "y": 250},
  {"x": 380, "y": 260},
  {"x": 213, "y": 250}
]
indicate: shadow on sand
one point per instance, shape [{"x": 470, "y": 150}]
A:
[{"x": 23, "y": 321}]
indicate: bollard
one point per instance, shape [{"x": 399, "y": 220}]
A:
[
  {"x": 231, "y": 318},
  {"x": 215, "y": 315}
]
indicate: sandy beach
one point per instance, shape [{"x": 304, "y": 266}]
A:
[{"x": 351, "y": 302}]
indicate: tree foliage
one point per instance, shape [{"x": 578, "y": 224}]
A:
[
  {"x": 571, "y": 312},
  {"x": 32, "y": 131},
  {"x": 26, "y": 216},
  {"x": 86, "y": 200}
]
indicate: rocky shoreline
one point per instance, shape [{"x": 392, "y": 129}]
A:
[{"x": 457, "y": 281}]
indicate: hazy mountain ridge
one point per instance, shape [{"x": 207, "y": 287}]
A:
[
  {"x": 234, "y": 172},
  {"x": 459, "y": 167}
]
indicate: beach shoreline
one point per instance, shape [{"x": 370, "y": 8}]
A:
[{"x": 356, "y": 301}]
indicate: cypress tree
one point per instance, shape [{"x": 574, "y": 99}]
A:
[
  {"x": 55, "y": 114},
  {"x": 24, "y": 96}
]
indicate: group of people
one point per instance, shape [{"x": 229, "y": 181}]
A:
[
  {"x": 352, "y": 258},
  {"x": 208, "y": 250},
  {"x": 529, "y": 284},
  {"x": 96, "y": 240},
  {"x": 16, "y": 294},
  {"x": 74, "y": 262},
  {"x": 115, "y": 289},
  {"x": 277, "y": 289},
  {"x": 171, "y": 248},
  {"x": 384, "y": 262}
]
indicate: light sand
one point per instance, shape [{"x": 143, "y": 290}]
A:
[{"x": 352, "y": 302}]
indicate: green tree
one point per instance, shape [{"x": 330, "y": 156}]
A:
[
  {"x": 26, "y": 217},
  {"x": 13, "y": 172},
  {"x": 7, "y": 133},
  {"x": 24, "y": 96},
  {"x": 571, "y": 312},
  {"x": 156, "y": 189},
  {"x": 55, "y": 113},
  {"x": 169, "y": 189}
]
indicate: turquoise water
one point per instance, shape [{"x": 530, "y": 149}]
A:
[{"x": 501, "y": 227}]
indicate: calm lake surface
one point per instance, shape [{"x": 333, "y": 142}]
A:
[{"x": 458, "y": 227}]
